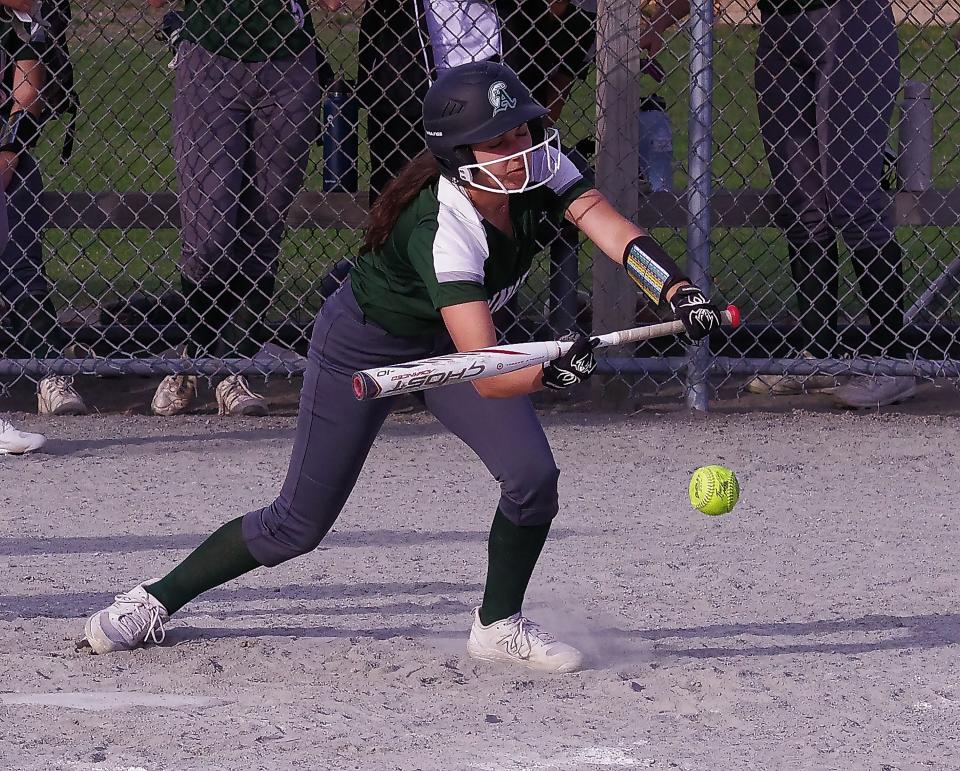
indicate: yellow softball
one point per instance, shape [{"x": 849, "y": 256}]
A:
[{"x": 714, "y": 490}]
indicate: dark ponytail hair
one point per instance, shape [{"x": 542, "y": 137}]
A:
[{"x": 397, "y": 196}]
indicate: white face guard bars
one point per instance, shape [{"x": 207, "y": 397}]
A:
[{"x": 541, "y": 160}]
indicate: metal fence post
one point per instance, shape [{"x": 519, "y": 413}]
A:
[{"x": 698, "y": 185}]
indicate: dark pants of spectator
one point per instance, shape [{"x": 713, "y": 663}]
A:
[
  {"x": 23, "y": 280},
  {"x": 242, "y": 136},
  {"x": 826, "y": 84}
]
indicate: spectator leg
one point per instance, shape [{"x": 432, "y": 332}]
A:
[
  {"x": 880, "y": 272},
  {"x": 861, "y": 81},
  {"x": 815, "y": 269},
  {"x": 208, "y": 307},
  {"x": 23, "y": 281},
  {"x": 283, "y": 127},
  {"x": 788, "y": 76},
  {"x": 211, "y": 145}
]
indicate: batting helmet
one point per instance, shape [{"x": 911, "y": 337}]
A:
[{"x": 474, "y": 103}]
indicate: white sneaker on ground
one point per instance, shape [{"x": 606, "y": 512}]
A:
[
  {"x": 869, "y": 391},
  {"x": 174, "y": 395},
  {"x": 234, "y": 397},
  {"x": 15, "y": 442},
  {"x": 518, "y": 640},
  {"x": 57, "y": 396},
  {"x": 134, "y": 618},
  {"x": 787, "y": 385}
]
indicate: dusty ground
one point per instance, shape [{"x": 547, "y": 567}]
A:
[{"x": 815, "y": 627}]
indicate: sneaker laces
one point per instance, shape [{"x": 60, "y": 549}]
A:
[
  {"x": 237, "y": 389},
  {"x": 130, "y": 618},
  {"x": 182, "y": 385},
  {"x": 520, "y": 639},
  {"x": 61, "y": 386}
]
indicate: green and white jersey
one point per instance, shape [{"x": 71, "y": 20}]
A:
[
  {"x": 250, "y": 30},
  {"x": 442, "y": 252}
]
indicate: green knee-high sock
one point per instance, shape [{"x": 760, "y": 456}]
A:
[
  {"x": 512, "y": 552},
  {"x": 222, "y": 557}
]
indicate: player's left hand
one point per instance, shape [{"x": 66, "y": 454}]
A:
[
  {"x": 575, "y": 366},
  {"x": 697, "y": 313}
]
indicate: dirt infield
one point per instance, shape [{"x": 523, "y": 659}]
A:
[{"x": 815, "y": 627}]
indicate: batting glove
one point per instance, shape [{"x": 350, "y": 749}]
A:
[
  {"x": 697, "y": 313},
  {"x": 575, "y": 366}
]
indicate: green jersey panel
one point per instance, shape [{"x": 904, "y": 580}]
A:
[
  {"x": 442, "y": 253},
  {"x": 250, "y": 30}
]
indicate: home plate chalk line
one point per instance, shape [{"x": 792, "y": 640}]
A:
[
  {"x": 600, "y": 756},
  {"x": 105, "y": 700}
]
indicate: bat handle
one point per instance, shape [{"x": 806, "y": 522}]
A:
[{"x": 732, "y": 314}]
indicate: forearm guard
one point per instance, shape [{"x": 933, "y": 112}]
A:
[{"x": 651, "y": 268}]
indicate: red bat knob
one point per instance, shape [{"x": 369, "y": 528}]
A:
[{"x": 734, "y": 312}]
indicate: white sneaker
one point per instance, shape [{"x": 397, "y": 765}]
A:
[
  {"x": 134, "y": 618},
  {"x": 57, "y": 396},
  {"x": 174, "y": 395},
  {"x": 870, "y": 391},
  {"x": 787, "y": 385},
  {"x": 14, "y": 442},
  {"x": 234, "y": 397},
  {"x": 518, "y": 640}
]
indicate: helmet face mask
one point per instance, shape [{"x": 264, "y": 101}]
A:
[
  {"x": 540, "y": 163},
  {"x": 475, "y": 103}
]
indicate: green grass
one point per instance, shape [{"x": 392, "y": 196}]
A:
[{"x": 124, "y": 144}]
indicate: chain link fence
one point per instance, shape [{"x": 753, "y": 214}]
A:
[{"x": 224, "y": 156}]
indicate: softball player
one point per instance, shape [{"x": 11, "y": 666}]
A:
[
  {"x": 827, "y": 74},
  {"x": 450, "y": 239}
]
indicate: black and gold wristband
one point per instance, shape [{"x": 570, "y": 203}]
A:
[{"x": 650, "y": 267}]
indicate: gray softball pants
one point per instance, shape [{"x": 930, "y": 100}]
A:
[
  {"x": 242, "y": 135},
  {"x": 335, "y": 433},
  {"x": 826, "y": 83}
]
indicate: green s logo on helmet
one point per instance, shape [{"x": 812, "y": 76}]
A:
[{"x": 499, "y": 98}]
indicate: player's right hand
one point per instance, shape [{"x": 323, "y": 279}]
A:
[
  {"x": 697, "y": 313},
  {"x": 575, "y": 366}
]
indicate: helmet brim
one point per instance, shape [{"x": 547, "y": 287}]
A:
[{"x": 499, "y": 124}]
